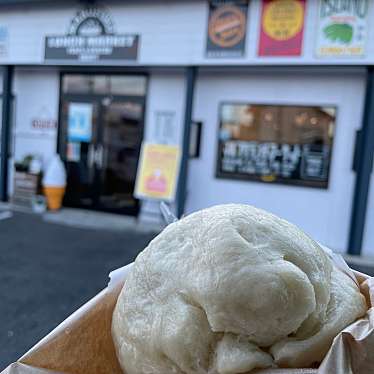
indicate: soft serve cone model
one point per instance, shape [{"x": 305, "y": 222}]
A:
[{"x": 54, "y": 183}]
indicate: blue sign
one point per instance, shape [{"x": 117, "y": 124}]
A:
[{"x": 80, "y": 122}]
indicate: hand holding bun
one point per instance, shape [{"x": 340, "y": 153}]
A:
[{"x": 229, "y": 289}]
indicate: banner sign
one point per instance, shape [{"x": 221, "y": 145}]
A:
[
  {"x": 342, "y": 28},
  {"x": 158, "y": 172},
  {"x": 282, "y": 27},
  {"x": 91, "y": 38},
  {"x": 227, "y": 28}
]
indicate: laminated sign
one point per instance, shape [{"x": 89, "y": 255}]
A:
[
  {"x": 342, "y": 29},
  {"x": 227, "y": 27},
  {"x": 158, "y": 172},
  {"x": 282, "y": 27}
]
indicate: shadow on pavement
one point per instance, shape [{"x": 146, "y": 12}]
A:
[{"x": 47, "y": 271}]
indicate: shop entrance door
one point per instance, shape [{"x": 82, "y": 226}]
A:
[{"x": 100, "y": 138}]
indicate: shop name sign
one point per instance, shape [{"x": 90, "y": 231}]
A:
[{"x": 91, "y": 38}]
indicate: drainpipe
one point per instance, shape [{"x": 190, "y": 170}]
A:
[
  {"x": 183, "y": 173},
  {"x": 362, "y": 165},
  {"x": 6, "y": 121}
]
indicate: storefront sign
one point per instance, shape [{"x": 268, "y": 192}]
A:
[
  {"x": 44, "y": 124},
  {"x": 158, "y": 172},
  {"x": 80, "y": 122},
  {"x": 342, "y": 29},
  {"x": 91, "y": 38},
  {"x": 227, "y": 27},
  {"x": 3, "y": 41},
  {"x": 282, "y": 27}
]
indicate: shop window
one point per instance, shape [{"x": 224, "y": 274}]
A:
[{"x": 288, "y": 144}]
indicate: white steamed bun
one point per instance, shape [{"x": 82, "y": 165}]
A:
[{"x": 229, "y": 289}]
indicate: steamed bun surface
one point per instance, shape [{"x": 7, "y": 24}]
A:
[{"x": 225, "y": 290}]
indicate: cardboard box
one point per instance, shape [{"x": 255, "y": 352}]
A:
[{"x": 82, "y": 344}]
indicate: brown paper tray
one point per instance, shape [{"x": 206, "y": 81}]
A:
[{"x": 83, "y": 343}]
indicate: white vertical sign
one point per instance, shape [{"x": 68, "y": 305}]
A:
[{"x": 165, "y": 128}]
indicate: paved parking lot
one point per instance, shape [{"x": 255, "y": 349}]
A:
[{"x": 48, "y": 270}]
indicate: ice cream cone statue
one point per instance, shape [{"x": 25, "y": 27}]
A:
[{"x": 54, "y": 183}]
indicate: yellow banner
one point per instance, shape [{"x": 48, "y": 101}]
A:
[{"x": 158, "y": 172}]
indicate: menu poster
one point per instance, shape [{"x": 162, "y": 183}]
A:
[
  {"x": 158, "y": 172},
  {"x": 342, "y": 28},
  {"x": 282, "y": 27},
  {"x": 227, "y": 27}
]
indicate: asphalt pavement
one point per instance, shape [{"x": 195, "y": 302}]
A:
[{"x": 48, "y": 270}]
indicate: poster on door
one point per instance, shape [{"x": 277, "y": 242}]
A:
[
  {"x": 4, "y": 41},
  {"x": 282, "y": 27},
  {"x": 342, "y": 28},
  {"x": 80, "y": 122},
  {"x": 158, "y": 172},
  {"x": 227, "y": 27}
]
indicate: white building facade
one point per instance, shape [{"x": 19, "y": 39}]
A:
[{"x": 278, "y": 104}]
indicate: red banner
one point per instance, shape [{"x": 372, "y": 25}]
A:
[{"x": 282, "y": 27}]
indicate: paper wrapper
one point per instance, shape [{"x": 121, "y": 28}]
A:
[{"x": 82, "y": 344}]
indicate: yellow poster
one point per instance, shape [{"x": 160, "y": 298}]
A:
[{"x": 158, "y": 172}]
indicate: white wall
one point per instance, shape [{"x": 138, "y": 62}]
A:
[
  {"x": 324, "y": 214},
  {"x": 37, "y": 96},
  {"x": 171, "y": 32},
  {"x": 166, "y": 92}
]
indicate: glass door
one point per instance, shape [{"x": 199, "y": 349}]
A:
[
  {"x": 79, "y": 145},
  {"x": 122, "y": 120},
  {"x": 100, "y": 132}
]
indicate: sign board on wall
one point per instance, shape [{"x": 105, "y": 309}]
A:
[
  {"x": 342, "y": 28},
  {"x": 282, "y": 27},
  {"x": 44, "y": 124},
  {"x": 165, "y": 129},
  {"x": 158, "y": 172},
  {"x": 227, "y": 27},
  {"x": 91, "y": 38}
]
